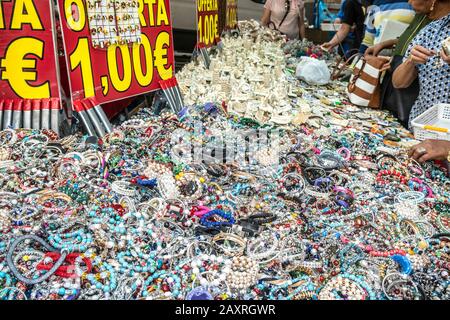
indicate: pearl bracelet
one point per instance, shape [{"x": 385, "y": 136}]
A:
[{"x": 244, "y": 273}]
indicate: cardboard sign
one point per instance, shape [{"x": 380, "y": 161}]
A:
[
  {"x": 28, "y": 58},
  {"x": 207, "y": 23},
  {"x": 231, "y": 20},
  {"x": 114, "y": 71}
]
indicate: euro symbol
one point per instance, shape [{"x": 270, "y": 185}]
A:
[
  {"x": 18, "y": 70},
  {"x": 160, "y": 55}
]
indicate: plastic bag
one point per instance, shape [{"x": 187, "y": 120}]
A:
[{"x": 313, "y": 71}]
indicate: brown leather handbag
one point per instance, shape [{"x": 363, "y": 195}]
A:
[{"x": 364, "y": 86}]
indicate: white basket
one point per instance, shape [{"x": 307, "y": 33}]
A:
[{"x": 433, "y": 123}]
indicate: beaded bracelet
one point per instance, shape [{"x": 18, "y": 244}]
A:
[
  {"x": 348, "y": 287},
  {"x": 296, "y": 190},
  {"x": 391, "y": 173},
  {"x": 412, "y": 197},
  {"x": 39, "y": 279},
  {"x": 243, "y": 273},
  {"x": 227, "y": 216},
  {"x": 171, "y": 289}
]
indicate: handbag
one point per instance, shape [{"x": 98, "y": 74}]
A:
[
  {"x": 398, "y": 101},
  {"x": 342, "y": 65},
  {"x": 364, "y": 86}
]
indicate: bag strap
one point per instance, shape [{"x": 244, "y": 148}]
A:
[
  {"x": 412, "y": 35},
  {"x": 271, "y": 23},
  {"x": 338, "y": 68},
  {"x": 352, "y": 84},
  {"x": 288, "y": 8}
]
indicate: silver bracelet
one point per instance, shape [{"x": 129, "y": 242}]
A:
[
  {"x": 316, "y": 194},
  {"x": 123, "y": 188}
]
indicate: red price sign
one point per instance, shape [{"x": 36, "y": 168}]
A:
[
  {"x": 119, "y": 70},
  {"x": 207, "y": 23},
  {"x": 231, "y": 22},
  {"x": 28, "y": 65}
]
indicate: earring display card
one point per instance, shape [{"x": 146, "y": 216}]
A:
[
  {"x": 102, "y": 23},
  {"x": 113, "y": 22},
  {"x": 128, "y": 21}
]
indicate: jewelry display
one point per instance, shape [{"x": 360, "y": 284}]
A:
[
  {"x": 113, "y": 22},
  {"x": 262, "y": 188}
]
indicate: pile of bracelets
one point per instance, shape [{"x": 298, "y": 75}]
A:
[{"x": 199, "y": 205}]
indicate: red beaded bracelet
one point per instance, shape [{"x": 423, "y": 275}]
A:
[
  {"x": 392, "y": 173},
  {"x": 291, "y": 166}
]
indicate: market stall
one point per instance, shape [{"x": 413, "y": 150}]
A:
[{"x": 251, "y": 184}]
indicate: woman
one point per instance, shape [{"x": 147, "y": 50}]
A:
[
  {"x": 345, "y": 49},
  {"x": 425, "y": 60},
  {"x": 287, "y": 16},
  {"x": 400, "y": 101},
  {"x": 353, "y": 17}
]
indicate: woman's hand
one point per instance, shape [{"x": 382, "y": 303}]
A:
[
  {"x": 386, "y": 65},
  {"x": 374, "y": 50},
  {"x": 445, "y": 57},
  {"x": 430, "y": 150},
  {"x": 420, "y": 55},
  {"x": 327, "y": 46}
]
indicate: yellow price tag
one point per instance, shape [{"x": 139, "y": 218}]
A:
[{"x": 207, "y": 22}]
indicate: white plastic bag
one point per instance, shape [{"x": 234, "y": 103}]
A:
[{"x": 313, "y": 71}]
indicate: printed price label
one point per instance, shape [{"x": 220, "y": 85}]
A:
[
  {"x": 120, "y": 70},
  {"x": 28, "y": 66},
  {"x": 207, "y": 23},
  {"x": 231, "y": 22}
]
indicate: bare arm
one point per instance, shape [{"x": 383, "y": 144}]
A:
[
  {"x": 388, "y": 43},
  {"x": 340, "y": 35},
  {"x": 404, "y": 75},
  {"x": 265, "y": 19},
  {"x": 301, "y": 25},
  {"x": 376, "y": 49}
]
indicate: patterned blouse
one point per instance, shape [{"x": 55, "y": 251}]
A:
[{"x": 434, "y": 77}]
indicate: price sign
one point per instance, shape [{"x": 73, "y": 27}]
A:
[
  {"x": 231, "y": 20},
  {"x": 207, "y": 23},
  {"x": 120, "y": 70},
  {"x": 28, "y": 65}
]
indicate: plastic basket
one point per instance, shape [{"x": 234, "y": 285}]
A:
[{"x": 433, "y": 123}]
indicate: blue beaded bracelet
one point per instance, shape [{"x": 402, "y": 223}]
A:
[{"x": 214, "y": 224}]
